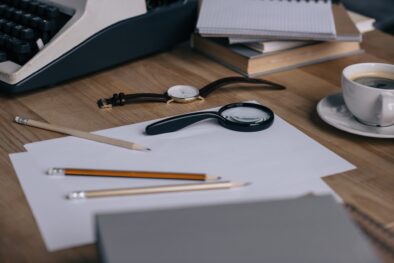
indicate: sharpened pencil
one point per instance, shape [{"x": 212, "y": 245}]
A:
[
  {"x": 154, "y": 190},
  {"x": 130, "y": 174},
  {"x": 80, "y": 134}
]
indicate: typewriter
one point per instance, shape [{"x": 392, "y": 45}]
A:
[{"x": 43, "y": 43}]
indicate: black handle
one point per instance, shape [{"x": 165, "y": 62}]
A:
[
  {"x": 205, "y": 91},
  {"x": 178, "y": 122}
]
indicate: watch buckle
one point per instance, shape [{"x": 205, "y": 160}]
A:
[{"x": 103, "y": 104}]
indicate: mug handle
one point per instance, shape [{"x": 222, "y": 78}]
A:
[{"x": 386, "y": 118}]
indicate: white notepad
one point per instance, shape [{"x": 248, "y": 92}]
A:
[{"x": 293, "y": 19}]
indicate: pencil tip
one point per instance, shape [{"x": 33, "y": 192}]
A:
[
  {"x": 213, "y": 178},
  {"x": 142, "y": 148},
  {"x": 240, "y": 184}
]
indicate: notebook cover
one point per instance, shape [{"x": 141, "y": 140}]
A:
[
  {"x": 309, "y": 229},
  {"x": 252, "y": 63},
  {"x": 345, "y": 27}
]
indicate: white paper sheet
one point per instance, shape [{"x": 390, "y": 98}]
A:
[
  {"x": 64, "y": 224},
  {"x": 280, "y": 162},
  {"x": 280, "y": 152}
]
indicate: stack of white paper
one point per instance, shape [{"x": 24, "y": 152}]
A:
[{"x": 280, "y": 162}]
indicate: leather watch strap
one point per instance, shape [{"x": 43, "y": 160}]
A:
[
  {"x": 206, "y": 90},
  {"x": 121, "y": 99}
]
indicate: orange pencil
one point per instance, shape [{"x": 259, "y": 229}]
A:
[{"x": 130, "y": 174}]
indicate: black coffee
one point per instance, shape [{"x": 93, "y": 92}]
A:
[{"x": 376, "y": 82}]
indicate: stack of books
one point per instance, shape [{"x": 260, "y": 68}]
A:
[{"x": 256, "y": 37}]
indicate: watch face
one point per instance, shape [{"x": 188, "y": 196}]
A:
[{"x": 183, "y": 92}]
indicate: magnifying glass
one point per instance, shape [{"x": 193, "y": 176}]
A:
[{"x": 244, "y": 117}]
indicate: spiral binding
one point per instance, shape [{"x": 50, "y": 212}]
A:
[{"x": 378, "y": 232}]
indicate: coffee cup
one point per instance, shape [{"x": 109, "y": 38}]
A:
[{"x": 368, "y": 92}]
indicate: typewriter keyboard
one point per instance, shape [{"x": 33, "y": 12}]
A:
[{"x": 25, "y": 27}]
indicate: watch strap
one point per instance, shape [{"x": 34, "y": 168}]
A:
[
  {"x": 121, "y": 99},
  {"x": 206, "y": 90}
]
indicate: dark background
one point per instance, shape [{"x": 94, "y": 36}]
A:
[{"x": 381, "y": 10}]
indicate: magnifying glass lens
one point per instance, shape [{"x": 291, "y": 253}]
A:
[{"x": 245, "y": 115}]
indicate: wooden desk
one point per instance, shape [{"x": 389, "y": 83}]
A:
[{"x": 370, "y": 187}]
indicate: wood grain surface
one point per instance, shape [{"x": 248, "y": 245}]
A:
[{"x": 73, "y": 104}]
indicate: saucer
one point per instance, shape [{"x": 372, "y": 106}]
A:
[{"x": 332, "y": 109}]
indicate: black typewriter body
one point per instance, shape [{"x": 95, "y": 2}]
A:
[{"x": 26, "y": 29}]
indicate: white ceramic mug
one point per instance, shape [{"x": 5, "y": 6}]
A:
[{"x": 370, "y": 105}]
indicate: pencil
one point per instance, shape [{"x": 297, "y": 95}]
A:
[
  {"x": 154, "y": 190},
  {"x": 130, "y": 174},
  {"x": 80, "y": 134}
]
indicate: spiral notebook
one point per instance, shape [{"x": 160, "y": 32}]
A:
[{"x": 271, "y": 19}]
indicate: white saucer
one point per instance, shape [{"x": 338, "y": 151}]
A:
[{"x": 332, "y": 109}]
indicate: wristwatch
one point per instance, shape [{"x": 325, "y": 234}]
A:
[{"x": 181, "y": 93}]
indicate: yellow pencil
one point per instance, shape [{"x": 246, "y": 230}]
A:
[
  {"x": 154, "y": 190},
  {"x": 80, "y": 134}
]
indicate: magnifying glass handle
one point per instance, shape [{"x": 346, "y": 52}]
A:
[{"x": 178, "y": 122}]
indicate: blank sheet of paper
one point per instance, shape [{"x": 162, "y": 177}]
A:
[{"x": 280, "y": 162}]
